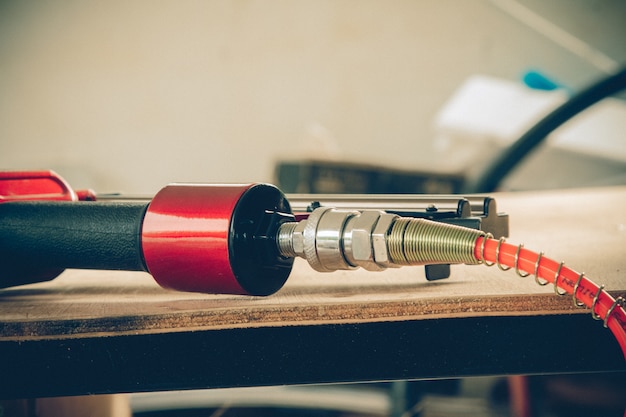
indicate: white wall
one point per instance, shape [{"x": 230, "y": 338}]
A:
[{"x": 128, "y": 96}]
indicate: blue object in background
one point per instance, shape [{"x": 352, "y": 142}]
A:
[{"x": 539, "y": 81}]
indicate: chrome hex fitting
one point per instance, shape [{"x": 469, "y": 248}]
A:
[
  {"x": 331, "y": 239},
  {"x": 358, "y": 240},
  {"x": 379, "y": 240}
]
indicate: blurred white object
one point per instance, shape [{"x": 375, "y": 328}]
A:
[
  {"x": 600, "y": 130},
  {"x": 485, "y": 115},
  {"x": 358, "y": 400}
]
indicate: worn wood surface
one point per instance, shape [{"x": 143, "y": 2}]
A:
[{"x": 584, "y": 228}]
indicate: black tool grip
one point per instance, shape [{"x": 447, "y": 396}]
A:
[{"x": 39, "y": 239}]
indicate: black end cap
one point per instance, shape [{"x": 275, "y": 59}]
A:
[{"x": 253, "y": 249}]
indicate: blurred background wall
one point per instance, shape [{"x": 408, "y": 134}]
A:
[{"x": 128, "y": 96}]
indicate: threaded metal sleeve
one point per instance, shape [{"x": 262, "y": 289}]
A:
[
  {"x": 285, "y": 239},
  {"x": 414, "y": 241}
]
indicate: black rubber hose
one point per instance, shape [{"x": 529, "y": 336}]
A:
[
  {"x": 36, "y": 237},
  {"x": 495, "y": 173}
]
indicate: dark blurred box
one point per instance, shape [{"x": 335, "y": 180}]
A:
[{"x": 336, "y": 177}]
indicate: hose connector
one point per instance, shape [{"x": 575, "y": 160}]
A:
[{"x": 331, "y": 239}]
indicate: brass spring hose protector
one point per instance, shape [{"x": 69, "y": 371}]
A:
[{"x": 414, "y": 241}]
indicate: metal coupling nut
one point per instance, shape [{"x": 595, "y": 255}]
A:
[
  {"x": 331, "y": 239},
  {"x": 379, "y": 239},
  {"x": 359, "y": 240}
]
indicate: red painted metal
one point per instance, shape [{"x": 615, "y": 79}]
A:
[
  {"x": 34, "y": 185},
  {"x": 185, "y": 237}
]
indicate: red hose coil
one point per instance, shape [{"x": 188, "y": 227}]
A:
[{"x": 588, "y": 293}]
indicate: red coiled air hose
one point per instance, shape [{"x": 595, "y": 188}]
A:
[{"x": 584, "y": 292}]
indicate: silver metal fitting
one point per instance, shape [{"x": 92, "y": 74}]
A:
[
  {"x": 379, "y": 239},
  {"x": 323, "y": 239},
  {"x": 331, "y": 239},
  {"x": 359, "y": 241}
]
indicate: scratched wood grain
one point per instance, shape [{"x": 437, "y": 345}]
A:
[{"x": 584, "y": 228}]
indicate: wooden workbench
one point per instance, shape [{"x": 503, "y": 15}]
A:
[{"x": 101, "y": 331}]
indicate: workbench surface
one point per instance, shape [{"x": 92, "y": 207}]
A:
[{"x": 102, "y": 331}]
